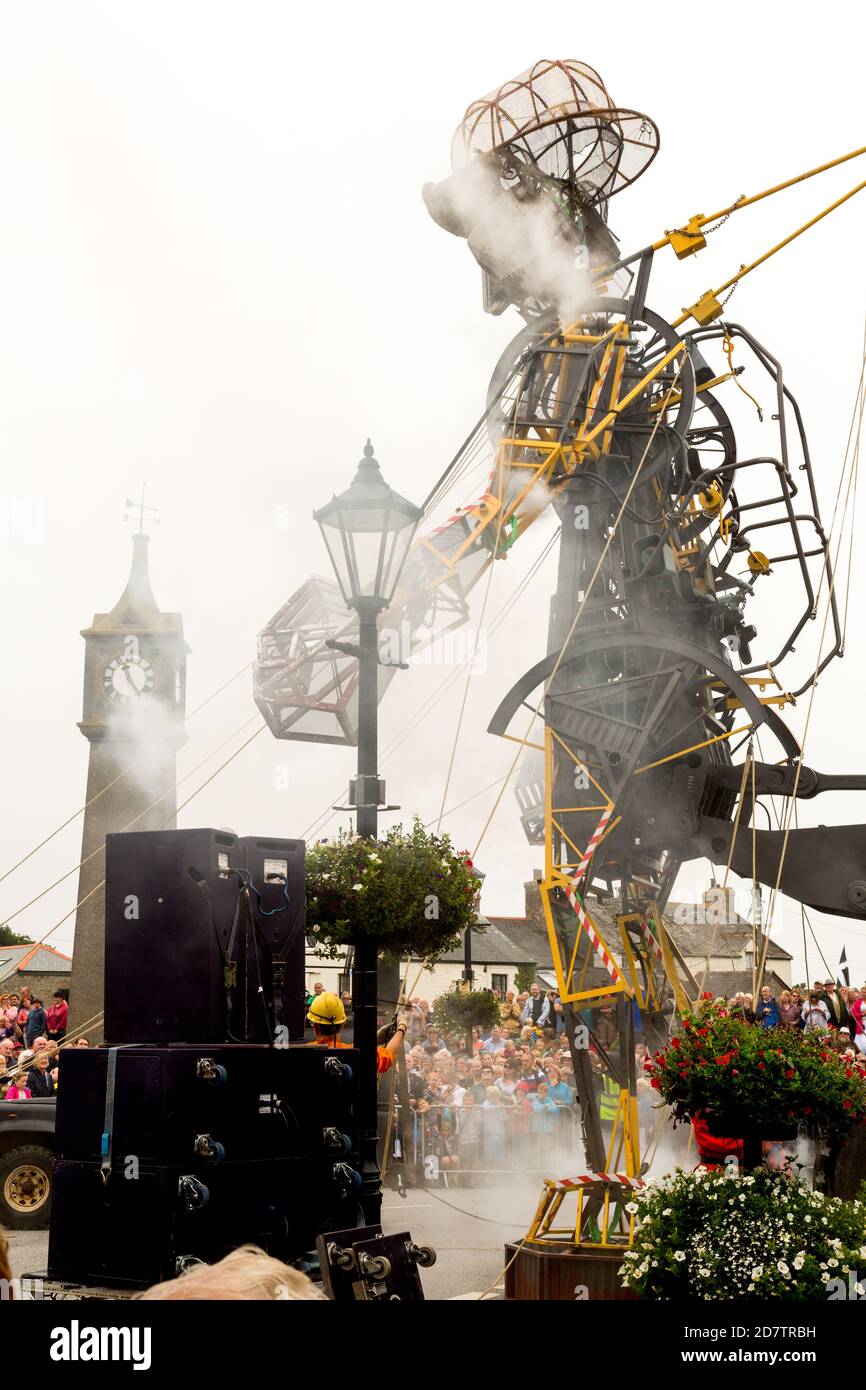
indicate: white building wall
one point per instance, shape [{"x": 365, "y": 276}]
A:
[{"x": 429, "y": 985}]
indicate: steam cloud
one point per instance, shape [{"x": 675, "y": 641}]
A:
[
  {"x": 149, "y": 733},
  {"x": 512, "y": 239}
]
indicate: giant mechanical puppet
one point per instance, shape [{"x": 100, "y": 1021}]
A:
[{"x": 655, "y": 722}]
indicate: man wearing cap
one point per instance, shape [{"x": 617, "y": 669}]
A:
[{"x": 327, "y": 1016}]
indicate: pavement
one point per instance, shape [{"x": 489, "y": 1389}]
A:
[{"x": 467, "y": 1227}]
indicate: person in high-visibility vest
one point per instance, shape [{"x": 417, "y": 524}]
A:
[{"x": 608, "y": 1103}]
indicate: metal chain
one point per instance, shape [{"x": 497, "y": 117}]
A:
[{"x": 708, "y": 231}]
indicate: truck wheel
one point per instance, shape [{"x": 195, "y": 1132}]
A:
[{"x": 25, "y": 1187}]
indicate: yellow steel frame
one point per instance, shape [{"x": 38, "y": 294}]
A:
[{"x": 553, "y": 1196}]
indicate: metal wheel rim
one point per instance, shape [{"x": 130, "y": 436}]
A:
[{"x": 16, "y": 1184}]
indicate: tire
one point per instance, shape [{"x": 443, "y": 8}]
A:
[{"x": 25, "y": 1188}]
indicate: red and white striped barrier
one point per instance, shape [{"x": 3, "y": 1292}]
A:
[
  {"x": 592, "y": 846},
  {"x": 586, "y": 1179},
  {"x": 652, "y": 940},
  {"x": 588, "y": 926}
]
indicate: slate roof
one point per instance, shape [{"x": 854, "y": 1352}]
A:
[
  {"x": 490, "y": 946},
  {"x": 36, "y": 956},
  {"x": 697, "y": 940}
]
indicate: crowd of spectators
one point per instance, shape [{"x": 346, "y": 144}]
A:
[
  {"x": 503, "y": 1103},
  {"x": 30, "y": 1039},
  {"x": 827, "y": 1007}
]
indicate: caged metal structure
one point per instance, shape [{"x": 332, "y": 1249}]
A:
[{"x": 655, "y": 721}]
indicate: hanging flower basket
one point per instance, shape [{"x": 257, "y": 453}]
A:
[
  {"x": 748, "y": 1080},
  {"x": 411, "y": 892}
]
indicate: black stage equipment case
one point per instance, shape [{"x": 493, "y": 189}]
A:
[
  {"x": 166, "y": 1155},
  {"x": 204, "y": 937}
]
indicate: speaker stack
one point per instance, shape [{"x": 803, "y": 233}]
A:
[{"x": 205, "y": 1122}]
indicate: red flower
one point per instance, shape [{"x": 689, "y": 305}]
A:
[
  {"x": 846, "y": 1104},
  {"x": 675, "y": 1042},
  {"x": 789, "y": 1073},
  {"x": 762, "y": 1066},
  {"x": 656, "y": 1084},
  {"x": 706, "y": 994}
]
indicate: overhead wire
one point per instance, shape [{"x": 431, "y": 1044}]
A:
[
  {"x": 581, "y": 606},
  {"x": 120, "y": 776},
  {"x": 99, "y": 849},
  {"x": 441, "y": 690},
  {"x": 162, "y": 824},
  {"x": 852, "y": 471},
  {"x": 496, "y": 542}
]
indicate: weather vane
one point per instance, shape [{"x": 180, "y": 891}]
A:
[{"x": 138, "y": 510}]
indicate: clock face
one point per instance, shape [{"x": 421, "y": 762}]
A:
[{"x": 126, "y": 678}]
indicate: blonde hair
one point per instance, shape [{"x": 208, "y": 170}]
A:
[
  {"x": 5, "y": 1266},
  {"x": 247, "y": 1273}
]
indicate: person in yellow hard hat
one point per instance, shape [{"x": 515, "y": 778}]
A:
[{"x": 328, "y": 1015}]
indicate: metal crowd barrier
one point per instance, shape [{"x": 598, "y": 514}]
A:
[{"x": 451, "y": 1144}]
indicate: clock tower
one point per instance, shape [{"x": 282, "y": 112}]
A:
[{"x": 133, "y": 717}]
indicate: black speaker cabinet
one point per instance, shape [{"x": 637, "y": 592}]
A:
[
  {"x": 164, "y": 969},
  {"x": 200, "y": 929},
  {"x": 275, "y": 947},
  {"x": 137, "y": 1228},
  {"x": 204, "y": 1149},
  {"x": 255, "y": 1102}
]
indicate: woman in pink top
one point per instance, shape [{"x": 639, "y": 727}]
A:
[
  {"x": 857, "y": 1005},
  {"x": 18, "y": 1090}
]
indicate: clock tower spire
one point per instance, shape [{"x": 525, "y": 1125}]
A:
[{"x": 133, "y": 716}]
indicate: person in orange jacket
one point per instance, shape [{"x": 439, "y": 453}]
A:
[{"x": 327, "y": 1016}]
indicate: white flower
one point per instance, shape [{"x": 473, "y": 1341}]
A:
[
  {"x": 667, "y": 1212},
  {"x": 357, "y": 887},
  {"x": 679, "y": 1255},
  {"x": 832, "y": 1263},
  {"x": 783, "y": 1269},
  {"x": 631, "y": 1208},
  {"x": 757, "y": 1271},
  {"x": 825, "y": 1278},
  {"x": 858, "y": 1289},
  {"x": 374, "y": 858}
]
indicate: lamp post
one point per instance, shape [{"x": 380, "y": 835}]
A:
[
  {"x": 468, "y": 973},
  {"x": 368, "y": 530}
]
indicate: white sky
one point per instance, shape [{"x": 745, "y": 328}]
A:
[{"x": 218, "y": 277}]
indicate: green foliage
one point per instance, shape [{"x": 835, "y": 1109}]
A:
[
  {"x": 720, "y": 1235},
  {"x": 411, "y": 892},
  {"x": 457, "y": 1012},
  {"x": 10, "y": 938},
  {"x": 524, "y": 976},
  {"x": 750, "y": 1079}
]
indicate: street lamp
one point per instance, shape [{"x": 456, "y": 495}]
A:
[
  {"x": 368, "y": 530},
  {"x": 468, "y": 973}
]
